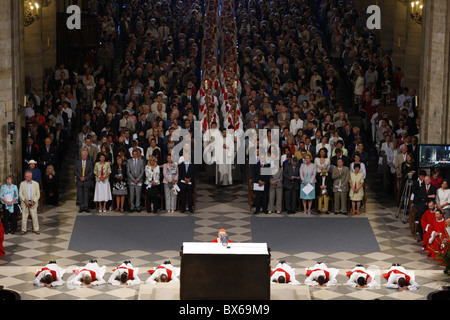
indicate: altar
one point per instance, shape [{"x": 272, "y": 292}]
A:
[{"x": 212, "y": 271}]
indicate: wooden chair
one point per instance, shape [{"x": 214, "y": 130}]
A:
[
  {"x": 194, "y": 193},
  {"x": 412, "y": 220},
  {"x": 251, "y": 195},
  {"x": 41, "y": 198}
]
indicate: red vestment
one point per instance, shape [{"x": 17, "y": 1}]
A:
[
  {"x": 286, "y": 275},
  {"x": 53, "y": 272},
  {"x": 388, "y": 274},
  {"x": 2, "y": 237},
  {"x": 129, "y": 271},
  {"x": 437, "y": 227},
  {"x": 327, "y": 274},
  {"x": 169, "y": 272},
  {"x": 427, "y": 220}
]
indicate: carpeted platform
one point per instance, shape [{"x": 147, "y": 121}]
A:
[
  {"x": 314, "y": 234},
  {"x": 121, "y": 233}
]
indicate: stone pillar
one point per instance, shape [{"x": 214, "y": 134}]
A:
[
  {"x": 49, "y": 38},
  {"x": 434, "y": 94},
  {"x": 40, "y": 47},
  {"x": 399, "y": 34},
  {"x": 388, "y": 22},
  {"x": 33, "y": 56},
  {"x": 413, "y": 52},
  {"x": 12, "y": 85}
]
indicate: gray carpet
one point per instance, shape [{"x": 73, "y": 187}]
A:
[
  {"x": 315, "y": 234},
  {"x": 122, "y": 233}
]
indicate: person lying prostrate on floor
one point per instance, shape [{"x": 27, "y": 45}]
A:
[
  {"x": 321, "y": 275},
  {"x": 220, "y": 234},
  {"x": 125, "y": 274},
  {"x": 89, "y": 275},
  {"x": 164, "y": 273},
  {"x": 283, "y": 273},
  {"x": 49, "y": 276},
  {"x": 359, "y": 277},
  {"x": 398, "y": 278}
]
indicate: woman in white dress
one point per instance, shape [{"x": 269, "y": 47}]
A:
[
  {"x": 102, "y": 194},
  {"x": 152, "y": 180},
  {"x": 324, "y": 144},
  {"x": 322, "y": 159}
]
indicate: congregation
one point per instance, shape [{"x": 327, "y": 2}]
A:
[{"x": 308, "y": 72}]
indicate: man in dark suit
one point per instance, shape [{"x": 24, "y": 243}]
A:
[
  {"x": 261, "y": 197},
  {"x": 47, "y": 155},
  {"x": 425, "y": 193},
  {"x": 291, "y": 184},
  {"x": 189, "y": 97},
  {"x": 310, "y": 147},
  {"x": 84, "y": 173},
  {"x": 187, "y": 173},
  {"x": 143, "y": 124},
  {"x": 135, "y": 175},
  {"x": 339, "y": 155},
  {"x": 347, "y": 135},
  {"x": 30, "y": 152}
]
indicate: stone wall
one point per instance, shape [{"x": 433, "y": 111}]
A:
[{"x": 11, "y": 85}]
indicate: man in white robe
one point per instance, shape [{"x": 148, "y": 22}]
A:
[
  {"x": 49, "y": 276},
  {"x": 89, "y": 275},
  {"x": 398, "y": 278},
  {"x": 283, "y": 273},
  {"x": 321, "y": 275},
  {"x": 164, "y": 273},
  {"x": 359, "y": 277},
  {"x": 125, "y": 274}
]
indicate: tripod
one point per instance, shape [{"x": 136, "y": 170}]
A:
[{"x": 404, "y": 200}]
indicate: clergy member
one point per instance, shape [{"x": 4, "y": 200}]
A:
[
  {"x": 398, "y": 278},
  {"x": 283, "y": 273},
  {"x": 49, "y": 276},
  {"x": 89, "y": 275},
  {"x": 321, "y": 275},
  {"x": 164, "y": 273},
  {"x": 125, "y": 274},
  {"x": 359, "y": 277}
]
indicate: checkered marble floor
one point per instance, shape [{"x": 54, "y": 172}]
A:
[{"x": 216, "y": 208}]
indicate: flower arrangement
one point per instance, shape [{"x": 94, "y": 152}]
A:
[{"x": 443, "y": 254}]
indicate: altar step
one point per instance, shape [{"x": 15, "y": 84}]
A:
[{"x": 171, "y": 291}]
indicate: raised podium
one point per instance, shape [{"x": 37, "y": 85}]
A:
[{"x": 211, "y": 271}]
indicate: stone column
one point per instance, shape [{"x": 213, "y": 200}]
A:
[
  {"x": 33, "y": 56},
  {"x": 11, "y": 87},
  {"x": 413, "y": 52},
  {"x": 434, "y": 94},
  {"x": 399, "y": 34},
  {"x": 49, "y": 38},
  {"x": 40, "y": 47}
]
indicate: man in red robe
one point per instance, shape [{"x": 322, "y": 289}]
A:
[
  {"x": 2, "y": 237},
  {"x": 426, "y": 222},
  {"x": 437, "y": 234},
  {"x": 220, "y": 234}
]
